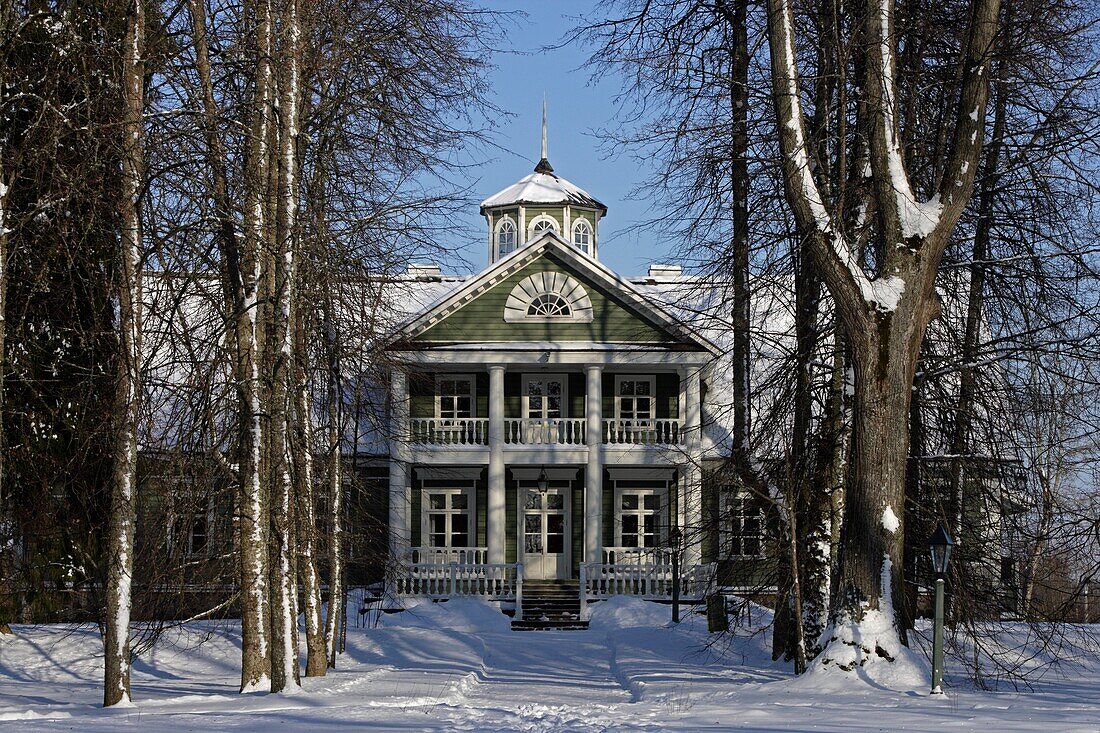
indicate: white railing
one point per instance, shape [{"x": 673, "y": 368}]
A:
[
  {"x": 652, "y": 581},
  {"x": 458, "y": 431},
  {"x": 553, "y": 431},
  {"x": 642, "y": 432},
  {"x": 502, "y": 581},
  {"x": 444, "y": 555}
]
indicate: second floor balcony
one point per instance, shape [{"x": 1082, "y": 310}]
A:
[{"x": 539, "y": 409}]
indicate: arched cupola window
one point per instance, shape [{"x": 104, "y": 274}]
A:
[
  {"x": 506, "y": 236},
  {"x": 548, "y": 296},
  {"x": 540, "y": 225},
  {"x": 582, "y": 236}
]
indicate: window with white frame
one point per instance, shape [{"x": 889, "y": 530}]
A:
[
  {"x": 448, "y": 517},
  {"x": 540, "y": 225},
  {"x": 634, "y": 399},
  {"x": 582, "y": 236},
  {"x": 743, "y": 522},
  {"x": 639, "y": 518},
  {"x": 455, "y": 394},
  {"x": 506, "y": 236},
  {"x": 549, "y": 305}
]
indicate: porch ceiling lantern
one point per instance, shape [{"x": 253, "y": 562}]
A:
[
  {"x": 543, "y": 483},
  {"x": 940, "y": 545}
]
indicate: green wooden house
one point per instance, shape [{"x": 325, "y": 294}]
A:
[{"x": 547, "y": 423}]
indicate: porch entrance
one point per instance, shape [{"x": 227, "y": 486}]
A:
[{"x": 546, "y": 533}]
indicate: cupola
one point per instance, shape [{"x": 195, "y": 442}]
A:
[{"x": 539, "y": 202}]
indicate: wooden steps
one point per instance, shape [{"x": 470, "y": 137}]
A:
[{"x": 551, "y": 604}]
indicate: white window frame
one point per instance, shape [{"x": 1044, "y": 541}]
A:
[
  {"x": 506, "y": 219},
  {"x": 578, "y": 225},
  {"x": 545, "y": 377},
  {"x": 439, "y": 378},
  {"x": 729, "y": 495},
  {"x": 661, "y": 513},
  {"x": 459, "y": 488},
  {"x": 652, "y": 381},
  {"x": 555, "y": 227}
]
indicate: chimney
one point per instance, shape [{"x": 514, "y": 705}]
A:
[
  {"x": 423, "y": 271},
  {"x": 665, "y": 272}
]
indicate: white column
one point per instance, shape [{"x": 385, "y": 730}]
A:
[
  {"x": 593, "y": 475},
  {"x": 494, "y": 529},
  {"x": 400, "y": 498},
  {"x": 691, "y": 485}
]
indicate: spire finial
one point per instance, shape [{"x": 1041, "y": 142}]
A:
[
  {"x": 544, "y": 163},
  {"x": 544, "y": 157}
]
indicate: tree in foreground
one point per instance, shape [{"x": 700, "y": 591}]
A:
[{"x": 885, "y": 307}]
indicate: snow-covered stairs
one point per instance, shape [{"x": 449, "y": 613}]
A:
[{"x": 550, "y": 604}]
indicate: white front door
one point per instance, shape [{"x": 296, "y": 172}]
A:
[{"x": 546, "y": 533}]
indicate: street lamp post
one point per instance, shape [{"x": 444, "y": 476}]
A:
[
  {"x": 674, "y": 538},
  {"x": 940, "y": 545}
]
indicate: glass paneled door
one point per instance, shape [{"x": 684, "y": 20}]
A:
[
  {"x": 546, "y": 534},
  {"x": 543, "y": 407}
]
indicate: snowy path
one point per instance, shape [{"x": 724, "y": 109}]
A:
[{"x": 458, "y": 667}]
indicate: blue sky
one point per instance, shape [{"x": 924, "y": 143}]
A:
[{"x": 576, "y": 107}]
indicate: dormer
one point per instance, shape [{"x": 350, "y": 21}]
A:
[{"x": 539, "y": 202}]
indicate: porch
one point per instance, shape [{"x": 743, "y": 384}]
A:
[{"x": 656, "y": 575}]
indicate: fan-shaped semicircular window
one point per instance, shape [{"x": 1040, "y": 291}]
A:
[
  {"x": 548, "y": 296},
  {"x": 549, "y": 305}
]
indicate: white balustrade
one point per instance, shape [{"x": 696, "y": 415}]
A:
[
  {"x": 450, "y": 431},
  {"x": 552, "y": 431},
  {"x": 647, "y": 580},
  {"x": 642, "y": 432},
  {"x": 446, "y": 580}
]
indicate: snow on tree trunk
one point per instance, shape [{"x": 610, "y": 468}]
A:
[
  {"x": 280, "y": 344},
  {"x": 316, "y": 652},
  {"x": 120, "y": 541},
  {"x": 336, "y": 600},
  {"x": 885, "y": 314},
  {"x": 252, "y": 504}
]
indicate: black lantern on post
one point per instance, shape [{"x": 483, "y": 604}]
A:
[
  {"x": 940, "y": 545},
  {"x": 675, "y": 538},
  {"x": 542, "y": 482}
]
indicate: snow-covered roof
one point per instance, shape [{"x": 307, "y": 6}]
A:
[{"x": 542, "y": 188}]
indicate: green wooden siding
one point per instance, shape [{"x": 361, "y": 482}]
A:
[
  {"x": 608, "y": 513},
  {"x": 667, "y": 387},
  {"x": 513, "y": 394},
  {"x": 422, "y": 394},
  {"x": 482, "y": 319}
]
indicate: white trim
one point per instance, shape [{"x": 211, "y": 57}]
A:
[
  {"x": 590, "y": 247},
  {"x": 662, "y": 494},
  {"x": 564, "y": 378},
  {"x": 651, "y": 379},
  {"x": 497, "y": 226},
  {"x": 725, "y": 524},
  {"x": 523, "y": 256},
  {"x": 555, "y": 226},
  {"x": 550, "y": 282},
  {"x": 469, "y": 490},
  {"x": 440, "y": 376}
]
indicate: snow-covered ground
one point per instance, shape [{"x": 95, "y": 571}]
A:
[{"x": 458, "y": 666}]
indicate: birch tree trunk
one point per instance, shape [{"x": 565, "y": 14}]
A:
[
  {"x": 316, "y": 651},
  {"x": 7, "y": 519},
  {"x": 253, "y": 503},
  {"x": 280, "y": 343},
  {"x": 120, "y": 542},
  {"x": 336, "y": 593},
  {"x": 885, "y": 313}
]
